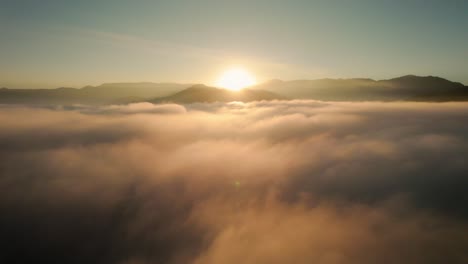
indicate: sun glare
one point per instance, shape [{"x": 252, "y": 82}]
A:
[{"x": 236, "y": 79}]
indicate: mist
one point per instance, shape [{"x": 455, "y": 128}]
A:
[{"x": 294, "y": 181}]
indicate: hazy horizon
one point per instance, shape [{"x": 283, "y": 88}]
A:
[{"x": 214, "y": 85}]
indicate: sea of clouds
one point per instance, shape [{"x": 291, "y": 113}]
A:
[{"x": 262, "y": 182}]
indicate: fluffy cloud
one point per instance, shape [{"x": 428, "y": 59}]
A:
[{"x": 263, "y": 182}]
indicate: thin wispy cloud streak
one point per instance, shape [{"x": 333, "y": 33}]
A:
[{"x": 263, "y": 182}]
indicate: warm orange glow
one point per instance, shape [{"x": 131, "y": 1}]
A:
[{"x": 236, "y": 79}]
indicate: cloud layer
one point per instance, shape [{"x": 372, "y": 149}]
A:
[{"x": 263, "y": 182}]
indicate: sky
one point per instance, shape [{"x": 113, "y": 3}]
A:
[{"x": 51, "y": 43}]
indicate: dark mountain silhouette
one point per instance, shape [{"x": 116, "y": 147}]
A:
[
  {"x": 203, "y": 93},
  {"x": 409, "y": 88},
  {"x": 103, "y": 94},
  {"x": 405, "y": 88}
]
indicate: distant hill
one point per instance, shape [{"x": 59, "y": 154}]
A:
[
  {"x": 405, "y": 88},
  {"x": 102, "y": 94},
  {"x": 409, "y": 88},
  {"x": 203, "y": 93}
]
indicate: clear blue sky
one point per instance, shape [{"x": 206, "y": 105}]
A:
[{"x": 51, "y": 43}]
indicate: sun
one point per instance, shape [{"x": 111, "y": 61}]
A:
[{"x": 236, "y": 79}]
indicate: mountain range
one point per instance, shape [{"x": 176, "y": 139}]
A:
[
  {"x": 108, "y": 93},
  {"x": 206, "y": 94},
  {"x": 405, "y": 88}
]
